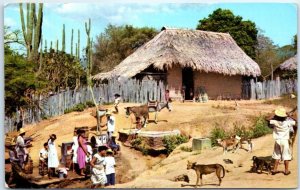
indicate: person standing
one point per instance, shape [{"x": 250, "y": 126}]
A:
[
  {"x": 52, "y": 156},
  {"x": 74, "y": 150},
  {"x": 110, "y": 164},
  {"x": 117, "y": 102},
  {"x": 14, "y": 161},
  {"x": 81, "y": 151},
  {"x": 168, "y": 100},
  {"x": 20, "y": 118},
  {"x": 98, "y": 171},
  {"x": 22, "y": 153},
  {"x": 281, "y": 134},
  {"x": 43, "y": 160},
  {"x": 110, "y": 124}
]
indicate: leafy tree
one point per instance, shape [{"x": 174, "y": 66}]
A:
[
  {"x": 266, "y": 54},
  {"x": 19, "y": 79},
  {"x": 61, "y": 70},
  {"x": 116, "y": 43},
  {"x": 243, "y": 32}
]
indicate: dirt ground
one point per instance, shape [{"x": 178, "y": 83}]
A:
[{"x": 196, "y": 119}]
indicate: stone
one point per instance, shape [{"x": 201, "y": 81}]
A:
[{"x": 201, "y": 144}]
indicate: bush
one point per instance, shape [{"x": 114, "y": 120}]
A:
[
  {"x": 186, "y": 149},
  {"x": 261, "y": 127},
  {"x": 79, "y": 107},
  {"x": 217, "y": 133},
  {"x": 171, "y": 142},
  {"x": 89, "y": 104}
]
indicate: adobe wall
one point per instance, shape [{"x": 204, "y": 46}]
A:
[
  {"x": 218, "y": 84},
  {"x": 174, "y": 81}
]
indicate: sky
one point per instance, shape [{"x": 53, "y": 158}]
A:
[{"x": 278, "y": 21}]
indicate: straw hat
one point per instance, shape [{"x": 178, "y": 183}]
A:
[
  {"x": 109, "y": 150},
  {"x": 22, "y": 131},
  {"x": 293, "y": 96},
  {"x": 108, "y": 113},
  {"x": 280, "y": 112}
]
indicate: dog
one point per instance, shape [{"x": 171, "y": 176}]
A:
[
  {"x": 248, "y": 141},
  {"x": 231, "y": 142},
  {"x": 206, "y": 169},
  {"x": 182, "y": 177},
  {"x": 260, "y": 164}
]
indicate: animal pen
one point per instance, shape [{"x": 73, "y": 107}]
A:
[{"x": 134, "y": 91}]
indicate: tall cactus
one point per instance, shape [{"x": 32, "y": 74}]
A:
[
  {"x": 89, "y": 64},
  {"x": 76, "y": 51},
  {"x": 63, "y": 48},
  {"x": 41, "y": 56},
  {"x": 88, "y": 53},
  {"x": 32, "y": 32},
  {"x": 72, "y": 42},
  {"x": 57, "y": 46},
  {"x": 45, "y": 46},
  {"x": 78, "y": 45},
  {"x": 50, "y": 45}
]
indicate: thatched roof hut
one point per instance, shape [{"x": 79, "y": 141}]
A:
[
  {"x": 189, "y": 60},
  {"x": 200, "y": 50},
  {"x": 290, "y": 64}
]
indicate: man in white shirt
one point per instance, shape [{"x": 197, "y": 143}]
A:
[
  {"x": 110, "y": 124},
  {"x": 281, "y": 134}
]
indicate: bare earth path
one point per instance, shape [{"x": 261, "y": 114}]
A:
[{"x": 196, "y": 119}]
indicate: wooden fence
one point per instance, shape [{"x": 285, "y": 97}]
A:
[
  {"x": 268, "y": 89},
  {"x": 131, "y": 90},
  {"x": 134, "y": 91}
]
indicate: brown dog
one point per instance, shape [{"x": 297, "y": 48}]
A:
[
  {"x": 206, "y": 169},
  {"x": 231, "y": 142}
]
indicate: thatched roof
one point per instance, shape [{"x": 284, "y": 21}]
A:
[
  {"x": 290, "y": 64},
  {"x": 200, "y": 50}
]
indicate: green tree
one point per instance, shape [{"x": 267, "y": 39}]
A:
[
  {"x": 266, "y": 54},
  {"x": 19, "y": 79},
  {"x": 116, "y": 43},
  {"x": 243, "y": 32}
]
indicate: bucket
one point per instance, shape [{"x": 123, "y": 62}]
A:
[{"x": 61, "y": 175}]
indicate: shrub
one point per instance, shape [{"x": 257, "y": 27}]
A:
[
  {"x": 217, "y": 133},
  {"x": 171, "y": 142},
  {"x": 79, "y": 107},
  {"x": 89, "y": 104},
  {"x": 186, "y": 149},
  {"x": 136, "y": 142},
  {"x": 261, "y": 127}
]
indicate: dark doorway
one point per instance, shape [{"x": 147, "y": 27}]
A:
[{"x": 188, "y": 82}]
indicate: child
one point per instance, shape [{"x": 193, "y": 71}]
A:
[
  {"x": 110, "y": 164},
  {"x": 74, "y": 150},
  {"x": 52, "y": 156},
  {"x": 43, "y": 160},
  {"x": 98, "y": 173},
  {"x": 117, "y": 101}
]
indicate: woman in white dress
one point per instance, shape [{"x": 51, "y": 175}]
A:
[
  {"x": 98, "y": 171},
  {"x": 52, "y": 156}
]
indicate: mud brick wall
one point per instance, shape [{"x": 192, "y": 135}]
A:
[
  {"x": 174, "y": 79},
  {"x": 218, "y": 84}
]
